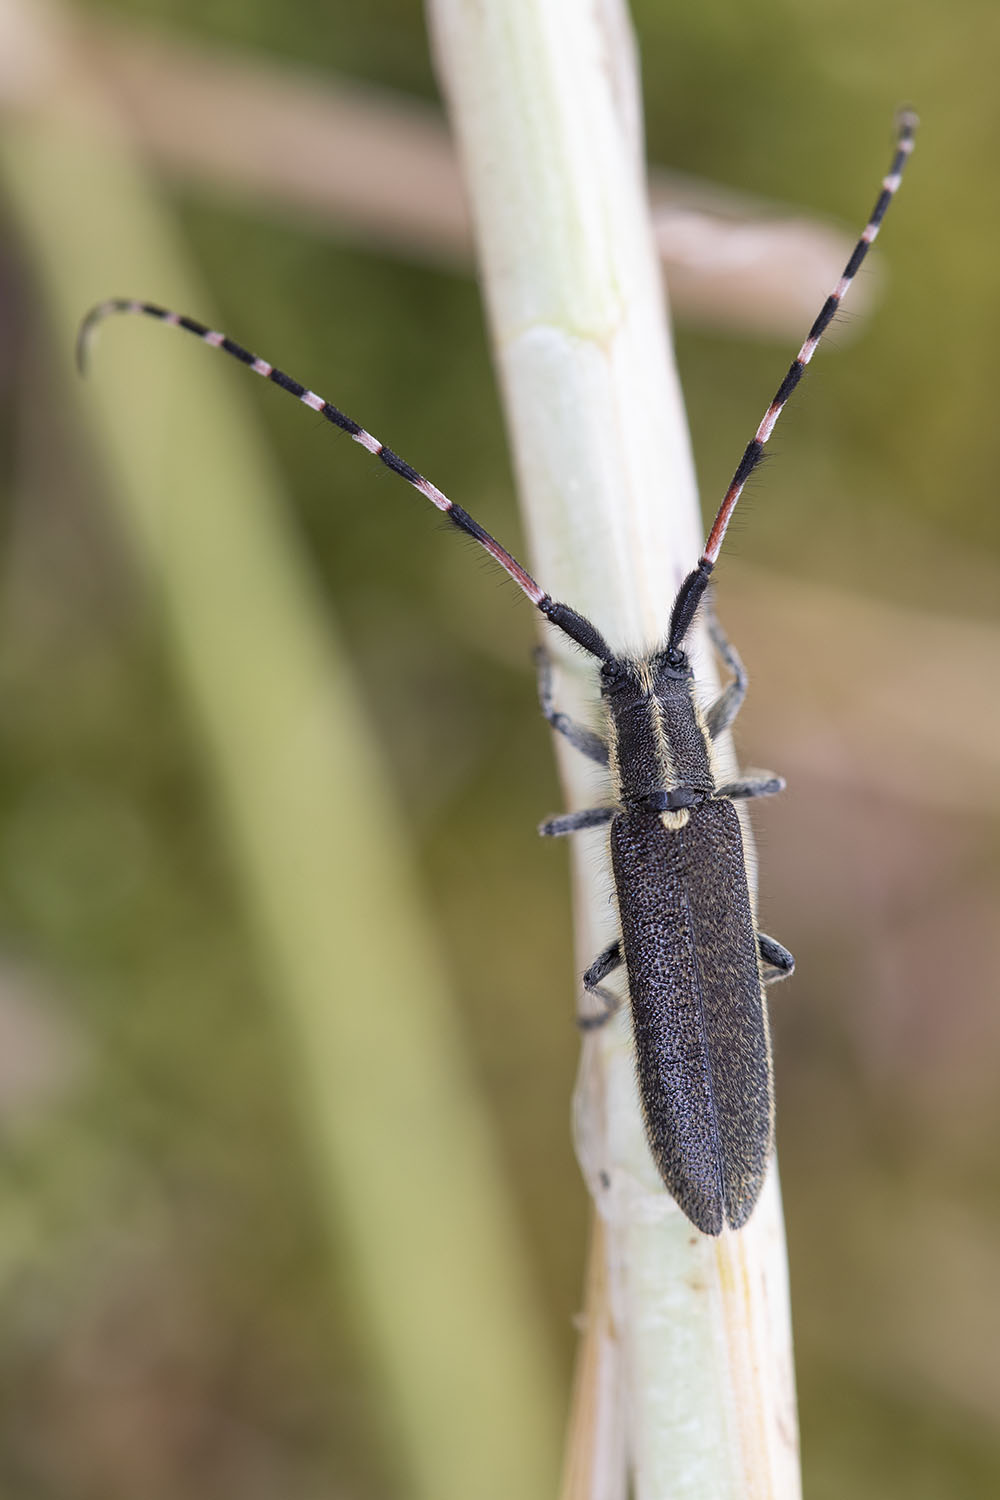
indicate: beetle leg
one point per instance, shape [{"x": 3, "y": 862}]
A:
[
  {"x": 604, "y": 964},
  {"x": 590, "y": 817},
  {"x": 766, "y": 784},
  {"x": 774, "y": 958},
  {"x": 584, "y": 740},
  {"x": 729, "y": 702}
]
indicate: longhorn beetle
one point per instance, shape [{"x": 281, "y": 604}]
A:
[{"x": 695, "y": 962}]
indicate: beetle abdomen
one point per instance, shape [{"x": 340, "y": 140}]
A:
[{"x": 701, "y": 1035}]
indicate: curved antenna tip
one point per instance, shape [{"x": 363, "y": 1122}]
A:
[{"x": 84, "y": 336}]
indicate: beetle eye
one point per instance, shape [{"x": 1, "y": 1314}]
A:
[{"x": 672, "y": 660}]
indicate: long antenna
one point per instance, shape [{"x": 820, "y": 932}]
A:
[
  {"x": 566, "y": 619},
  {"x": 690, "y": 592},
  {"x": 907, "y": 125}
]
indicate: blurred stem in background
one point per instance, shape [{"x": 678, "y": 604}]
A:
[
  {"x": 276, "y": 135},
  {"x": 405, "y": 1162}
]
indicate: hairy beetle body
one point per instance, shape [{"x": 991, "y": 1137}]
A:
[
  {"x": 688, "y": 938},
  {"x": 698, "y": 1011},
  {"x": 689, "y": 946}
]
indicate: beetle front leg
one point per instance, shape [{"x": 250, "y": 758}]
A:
[
  {"x": 729, "y": 702},
  {"x": 585, "y": 740}
]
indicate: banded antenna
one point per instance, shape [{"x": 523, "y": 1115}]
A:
[
  {"x": 694, "y": 585},
  {"x": 573, "y": 624},
  {"x": 568, "y": 620}
]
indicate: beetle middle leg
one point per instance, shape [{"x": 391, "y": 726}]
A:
[
  {"x": 585, "y": 740},
  {"x": 574, "y": 822},
  {"x": 764, "y": 785},
  {"x": 604, "y": 964}
]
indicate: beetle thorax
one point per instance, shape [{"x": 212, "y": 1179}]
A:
[{"x": 656, "y": 732}]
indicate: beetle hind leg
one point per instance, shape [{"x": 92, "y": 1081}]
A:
[
  {"x": 604, "y": 964},
  {"x": 777, "y": 962}
]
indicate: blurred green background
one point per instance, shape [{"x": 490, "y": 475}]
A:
[{"x": 180, "y": 1314}]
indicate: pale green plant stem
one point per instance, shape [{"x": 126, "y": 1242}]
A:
[{"x": 691, "y": 1389}]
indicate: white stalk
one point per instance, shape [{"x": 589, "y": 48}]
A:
[{"x": 689, "y": 1383}]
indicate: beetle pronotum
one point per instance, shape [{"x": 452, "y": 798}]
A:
[{"x": 696, "y": 964}]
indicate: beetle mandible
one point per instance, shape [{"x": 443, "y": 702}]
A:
[{"x": 696, "y": 965}]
